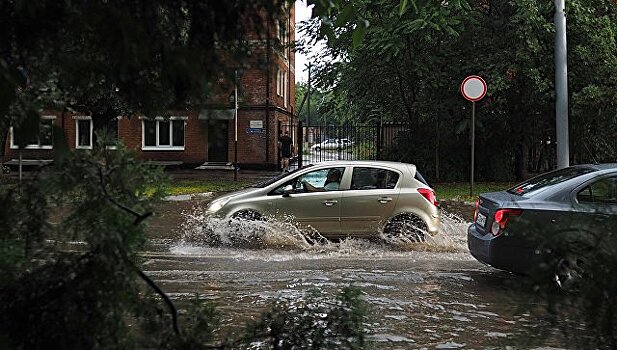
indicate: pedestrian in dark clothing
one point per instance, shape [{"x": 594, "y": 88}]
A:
[{"x": 286, "y": 146}]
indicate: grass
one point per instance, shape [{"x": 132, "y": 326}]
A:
[
  {"x": 460, "y": 191},
  {"x": 445, "y": 191},
  {"x": 178, "y": 187}
]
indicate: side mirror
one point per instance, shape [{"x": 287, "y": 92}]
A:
[{"x": 287, "y": 190}]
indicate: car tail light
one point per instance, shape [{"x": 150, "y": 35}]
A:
[
  {"x": 475, "y": 213},
  {"x": 501, "y": 219},
  {"x": 429, "y": 195}
]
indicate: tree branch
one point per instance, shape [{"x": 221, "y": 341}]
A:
[{"x": 168, "y": 302}]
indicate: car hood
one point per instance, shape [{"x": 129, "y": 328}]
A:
[{"x": 238, "y": 193}]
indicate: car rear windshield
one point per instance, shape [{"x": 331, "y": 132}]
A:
[
  {"x": 549, "y": 179},
  {"x": 421, "y": 178}
]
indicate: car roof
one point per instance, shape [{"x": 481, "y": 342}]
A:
[
  {"x": 365, "y": 163},
  {"x": 599, "y": 166}
]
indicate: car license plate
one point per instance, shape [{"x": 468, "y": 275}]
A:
[{"x": 481, "y": 219}]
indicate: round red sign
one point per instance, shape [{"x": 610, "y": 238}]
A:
[{"x": 473, "y": 88}]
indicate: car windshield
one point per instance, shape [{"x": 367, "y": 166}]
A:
[
  {"x": 269, "y": 182},
  {"x": 549, "y": 179}
]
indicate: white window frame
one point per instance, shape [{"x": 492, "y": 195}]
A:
[
  {"x": 281, "y": 84},
  {"x": 284, "y": 89},
  {"x": 34, "y": 146},
  {"x": 77, "y": 119},
  {"x": 158, "y": 147},
  {"x": 278, "y": 82}
]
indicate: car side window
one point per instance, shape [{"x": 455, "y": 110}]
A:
[
  {"x": 319, "y": 180},
  {"x": 602, "y": 191},
  {"x": 373, "y": 178}
]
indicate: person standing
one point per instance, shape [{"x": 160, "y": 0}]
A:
[{"x": 286, "y": 146}]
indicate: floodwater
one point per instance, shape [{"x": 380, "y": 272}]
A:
[{"x": 432, "y": 295}]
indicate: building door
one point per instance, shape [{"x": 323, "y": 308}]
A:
[{"x": 218, "y": 140}]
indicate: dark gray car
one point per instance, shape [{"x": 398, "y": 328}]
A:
[{"x": 513, "y": 230}]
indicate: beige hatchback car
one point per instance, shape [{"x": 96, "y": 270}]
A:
[{"x": 342, "y": 198}]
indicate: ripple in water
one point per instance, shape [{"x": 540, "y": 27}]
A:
[{"x": 203, "y": 234}]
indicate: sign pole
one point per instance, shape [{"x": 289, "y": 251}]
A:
[
  {"x": 473, "y": 143},
  {"x": 473, "y": 89}
]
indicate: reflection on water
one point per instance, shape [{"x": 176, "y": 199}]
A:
[{"x": 430, "y": 295}]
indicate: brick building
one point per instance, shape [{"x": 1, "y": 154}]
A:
[{"x": 266, "y": 107}]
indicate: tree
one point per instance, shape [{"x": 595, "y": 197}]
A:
[
  {"x": 412, "y": 59},
  {"x": 119, "y": 58},
  {"x": 109, "y": 58}
]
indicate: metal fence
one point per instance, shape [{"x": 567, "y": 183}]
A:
[{"x": 349, "y": 142}]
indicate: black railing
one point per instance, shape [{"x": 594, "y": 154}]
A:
[{"x": 349, "y": 142}]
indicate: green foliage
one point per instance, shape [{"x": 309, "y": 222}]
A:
[
  {"x": 583, "y": 307},
  {"x": 198, "y": 322},
  {"x": 321, "y": 110},
  {"x": 313, "y": 322},
  {"x": 415, "y": 55},
  {"x": 73, "y": 296},
  {"x": 93, "y": 294},
  {"x": 120, "y": 58},
  {"x": 460, "y": 191},
  {"x": 105, "y": 59}
]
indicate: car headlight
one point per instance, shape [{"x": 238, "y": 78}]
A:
[{"x": 217, "y": 204}]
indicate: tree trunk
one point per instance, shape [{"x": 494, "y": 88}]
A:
[
  {"x": 3, "y": 137},
  {"x": 521, "y": 156},
  {"x": 437, "y": 149}
]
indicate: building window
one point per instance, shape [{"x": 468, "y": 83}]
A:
[
  {"x": 282, "y": 35},
  {"x": 83, "y": 132},
  {"x": 278, "y": 82},
  {"x": 163, "y": 134},
  {"x": 44, "y": 139},
  {"x": 108, "y": 130},
  {"x": 88, "y": 131},
  {"x": 281, "y": 84}
]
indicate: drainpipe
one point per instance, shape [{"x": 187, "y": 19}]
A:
[
  {"x": 267, "y": 122},
  {"x": 289, "y": 83}
]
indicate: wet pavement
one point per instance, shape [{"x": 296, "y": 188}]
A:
[{"x": 421, "y": 296}]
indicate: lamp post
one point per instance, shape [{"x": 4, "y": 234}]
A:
[
  {"x": 561, "y": 86},
  {"x": 235, "y": 125}
]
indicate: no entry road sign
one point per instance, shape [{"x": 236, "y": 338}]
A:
[{"x": 473, "y": 88}]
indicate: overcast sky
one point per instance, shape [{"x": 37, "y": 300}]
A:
[{"x": 302, "y": 13}]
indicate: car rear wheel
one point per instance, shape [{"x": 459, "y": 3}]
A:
[
  {"x": 409, "y": 227},
  {"x": 569, "y": 272},
  {"x": 573, "y": 261}
]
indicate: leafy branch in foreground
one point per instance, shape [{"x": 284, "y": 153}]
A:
[
  {"x": 70, "y": 273},
  {"x": 578, "y": 284}
]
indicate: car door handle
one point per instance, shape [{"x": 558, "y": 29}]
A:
[
  {"x": 384, "y": 200},
  {"x": 330, "y": 202}
]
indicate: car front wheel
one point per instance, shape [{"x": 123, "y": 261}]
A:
[{"x": 249, "y": 215}]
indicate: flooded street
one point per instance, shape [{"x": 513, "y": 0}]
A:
[{"x": 432, "y": 295}]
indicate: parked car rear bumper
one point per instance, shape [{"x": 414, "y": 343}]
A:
[{"x": 503, "y": 252}]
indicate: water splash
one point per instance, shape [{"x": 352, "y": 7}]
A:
[
  {"x": 200, "y": 231},
  {"x": 452, "y": 237}
]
